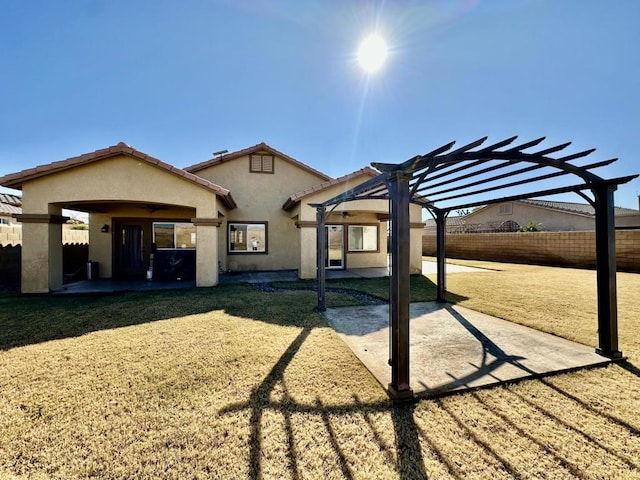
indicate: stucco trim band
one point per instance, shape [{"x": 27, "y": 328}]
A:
[
  {"x": 206, "y": 222},
  {"x": 41, "y": 218},
  {"x": 306, "y": 223}
]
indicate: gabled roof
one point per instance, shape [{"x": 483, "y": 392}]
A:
[
  {"x": 260, "y": 147},
  {"x": 577, "y": 208},
  {"x": 15, "y": 180},
  {"x": 296, "y": 197}
]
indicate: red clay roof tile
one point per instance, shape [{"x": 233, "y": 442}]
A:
[
  {"x": 260, "y": 147},
  {"x": 15, "y": 180},
  {"x": 296, "y": 197}
]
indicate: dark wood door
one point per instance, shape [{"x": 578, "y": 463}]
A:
[{"x": 133, "y": 248}]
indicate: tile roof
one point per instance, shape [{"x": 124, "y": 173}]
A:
[
  {"x": 9, "y": 209},
  {"x": 296, "y": 197},
  {"x": 15, "y": 180},
  {"x": 577, "y": 208},
  {"x": 260, "y": 147},
  {"x": 10, "y": 199}
]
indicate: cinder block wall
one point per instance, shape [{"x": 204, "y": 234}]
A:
[
  {"x": 571, "y": 249},
  {"x": 12, "y": 235}
]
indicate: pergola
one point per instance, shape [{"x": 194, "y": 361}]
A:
[{"x": 446, "y": 180}]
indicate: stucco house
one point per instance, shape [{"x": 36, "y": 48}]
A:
[
  {"x": 545, "y": 214},
  {"x": 246, "y": 210}
]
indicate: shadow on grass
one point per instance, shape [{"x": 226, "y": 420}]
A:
[
  {"x": 409, "y": 465},
  {"x": 32, "y": 319},
  {"x": 629, "y": 367},
  {"x": 422, "y": 289}
]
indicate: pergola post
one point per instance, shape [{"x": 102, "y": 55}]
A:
[
  {"x": 398, "y": 186},
  {"x": 441, "y": 218},
  {"x": 606, "y": 271},
  {"x": 321, "y": 257}
]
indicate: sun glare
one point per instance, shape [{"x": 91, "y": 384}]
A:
[{"x": 372, "y": 53}]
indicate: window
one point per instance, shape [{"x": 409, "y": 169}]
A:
[
  {"x": 4, "y": 221},
  {"x": 505, "y": 209},
  {"x": 168, "y": 235},
  {"x": 363, "y": 238},
  {"x": 247, "y": 237},
  {"x": 261, "y": 163}
]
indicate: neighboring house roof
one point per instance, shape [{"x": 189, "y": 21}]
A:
[
  {"x": 451, "y": 223},
  {"x": 260, "y": 147},
  {"x": 6, "y": 209},
  {"x": 577, "y": 208},
  {"x": 15, "y": 180},
  {"x": 296, "y": 197},
  {"x": 10, "y": 204},
  {"x": 10, "y": 199}
]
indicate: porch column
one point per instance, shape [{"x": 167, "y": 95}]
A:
[
  {"x": 321, "y": 257},
  {"x": 206, "y": 251},
  {"x": 606, "y": 272},
  {"x": 42, "y": 270},
  {"x": 398, "y": 186},
  {"x": 441, "y": 219},
  {"x": 307, "y": 240}
]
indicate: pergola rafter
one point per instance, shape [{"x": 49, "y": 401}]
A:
[{"x": 472, "y": 176}]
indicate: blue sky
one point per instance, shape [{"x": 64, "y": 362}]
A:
[{"x": 182, "y": 79}]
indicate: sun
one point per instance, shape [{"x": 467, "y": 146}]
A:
[{"x": 372, "y": 53}]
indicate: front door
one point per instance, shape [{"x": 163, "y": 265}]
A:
[
  {"x": 335, "y": 246},
  {"x": 133, "y": 244}
]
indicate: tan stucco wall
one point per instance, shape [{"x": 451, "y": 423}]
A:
[
  {"x": 259, "y": 198},
  {"x": 522, "y": 214},
  {"x": 123, "y": 179},
  {"x": 632, "y": 220},
  {"x": 101, "y": 244},
  {"x": 359, "y": 212}
]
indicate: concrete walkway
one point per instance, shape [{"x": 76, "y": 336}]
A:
[
  {"x": 106, "y": 285},
  {"x": 454, "y": 348}
]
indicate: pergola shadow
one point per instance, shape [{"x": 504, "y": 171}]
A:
[
  {"x": 413, "y": 442},
  {"x": 455, "y": 349},
  {"x": 446, "y": 180}
]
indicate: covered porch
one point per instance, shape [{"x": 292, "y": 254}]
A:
[{"x": 144, "y": 215}]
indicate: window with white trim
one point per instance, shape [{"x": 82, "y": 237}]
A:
[
  {"x": 363, "y": 238},
  {"x": 172, "y": 235},
  {"x": 250, "y": 237}
]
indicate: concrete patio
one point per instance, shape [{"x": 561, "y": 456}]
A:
[
  {"x": 453, "y": 348},
  {"x": 107, "y": 285}
]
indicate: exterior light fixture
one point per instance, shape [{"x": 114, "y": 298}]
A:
[{"x": 105, "y": 228}]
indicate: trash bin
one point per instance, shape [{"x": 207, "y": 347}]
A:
[{"x": 92, "y": 270}]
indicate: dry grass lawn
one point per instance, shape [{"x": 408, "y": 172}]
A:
[{"x": 232, "y": 383}]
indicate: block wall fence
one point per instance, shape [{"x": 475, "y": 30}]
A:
[
  {"x": 12, "y": 235},
  {"x": 568, "y": 249}
]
